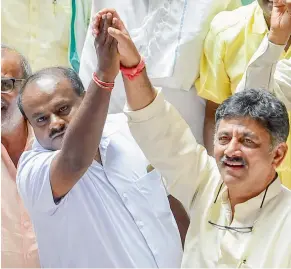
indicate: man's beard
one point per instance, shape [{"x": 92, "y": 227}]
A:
[{"x": 10, "y": 120}]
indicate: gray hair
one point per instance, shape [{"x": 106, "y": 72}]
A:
[
  {"x": 261, "y": 106},
  {"x": 25, "y": 66}
]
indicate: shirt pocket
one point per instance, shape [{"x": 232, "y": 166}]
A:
[{"x": 152, "y": 188}]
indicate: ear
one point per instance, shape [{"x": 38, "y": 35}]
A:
[{"x": 279, "y": 154}]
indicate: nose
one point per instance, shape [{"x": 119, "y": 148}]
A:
[
  {"x": 233, "y": 148},
  {"x": 56, "y": 122}
]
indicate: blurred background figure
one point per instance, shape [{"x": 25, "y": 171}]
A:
[
  {"x": 169, "y": 35},
  {"x": 18, "y": 243},
  {"x": 47, "y": 32}
]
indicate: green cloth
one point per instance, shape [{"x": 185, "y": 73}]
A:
[{"x": 246, "y": 2}]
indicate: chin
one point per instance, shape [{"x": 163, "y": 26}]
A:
[
  {"x": 57, "y": 143},
  {"x": 231, "y": 178}
]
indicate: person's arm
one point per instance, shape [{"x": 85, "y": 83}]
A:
[
  {"x": 265, "y": 71},
  {"x": 160, "y": 131},
  {"x": 81, "y": 140}
]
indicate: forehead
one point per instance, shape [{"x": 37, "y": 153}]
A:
[
  {"x": 241, "y": 126},
  {"x": 47, "y": 91},
  {"x": 10, "y": 64}
]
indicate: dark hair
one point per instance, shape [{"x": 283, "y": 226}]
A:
[
  {"x": 261, "y": 106},
  {"x": 26, "y": 70},
  {"x": 58, "y": 71}
]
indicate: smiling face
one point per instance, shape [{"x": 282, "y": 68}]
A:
[
  {"x": 243, "y": 153},
  {"x": 50, "y": 102}
]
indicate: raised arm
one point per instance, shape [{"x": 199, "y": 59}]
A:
[
  {"x": 162, "y": 134},
  {"x": 80, "y": 144},
  {"x": 266, "y": 70}
]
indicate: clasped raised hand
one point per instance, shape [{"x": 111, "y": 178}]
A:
[
  {"x": 106, "y": 48},
  {"x": 129, "y": 56}
]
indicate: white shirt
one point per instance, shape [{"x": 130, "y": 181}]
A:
[
  {"x": 267, "y": 71},
  {"x": 170, "y": 35},
  {"x": 193, "y": 177},
  {"x": 117, "y": 215}
]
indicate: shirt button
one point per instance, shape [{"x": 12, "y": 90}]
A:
[
  {"x": 124, "y": 196},
  {"x": 33, "y": 9}
]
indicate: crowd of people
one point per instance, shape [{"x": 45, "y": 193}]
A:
[{"x": 145, "y": 134}]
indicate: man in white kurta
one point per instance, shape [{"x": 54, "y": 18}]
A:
[
  {"x": 170, "y": 35},
  {"x": 240, "y": 212},
  {"x": 193, "y": 177}
]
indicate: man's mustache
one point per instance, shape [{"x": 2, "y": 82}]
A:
[
  {"x": 56, "y": 132},
  {"x": 233, "y": 159}
]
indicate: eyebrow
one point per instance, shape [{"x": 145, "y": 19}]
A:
[
  {"x": 251, "y": 135},
  {"x": 37, "y": 114},
  {"x": 245, "y": 134}
]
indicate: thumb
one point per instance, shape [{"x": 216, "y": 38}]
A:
[{"x": 117, "y": 34}]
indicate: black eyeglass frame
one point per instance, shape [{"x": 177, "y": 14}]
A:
[
  {"x": 240, "y": 229},
  {"x": 14, "y": 80}
]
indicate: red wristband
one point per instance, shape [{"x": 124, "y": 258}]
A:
[
  {"x": 133, "y": 72},
  {"x": 104, "y": 85}
]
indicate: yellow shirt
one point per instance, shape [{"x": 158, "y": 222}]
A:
[
  {"x": 232, "y": 40},
  {"x": 18, "y": 242},
  {"x": 193, "y": 177},
  {"x": 38, "y": 29}
]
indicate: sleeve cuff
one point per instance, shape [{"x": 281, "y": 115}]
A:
[
  {"x": 148, "y": 112},
  {"x": 272, "y": 51}
]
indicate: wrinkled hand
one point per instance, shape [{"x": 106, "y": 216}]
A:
[
  {"x": 106, "y": 48},
  {"x": 280, "y": 30},
  {"x": 129, "y": 55}
]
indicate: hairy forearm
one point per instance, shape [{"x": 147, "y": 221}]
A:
[
  {"x": 84, "y": 133},
  {"x": 139, "y": 91}
]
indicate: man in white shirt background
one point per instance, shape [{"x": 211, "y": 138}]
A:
[
  {"x": 90, "y": 197},
  {"x": 169, "y": 35},
  {"x": 240, "y": 210}
]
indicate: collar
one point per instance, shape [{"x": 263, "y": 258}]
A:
[{"x": 246, "y": 212}]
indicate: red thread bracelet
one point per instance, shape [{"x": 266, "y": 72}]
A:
[
  {"x": 133, "y": 72},
  {"x": 104, "y": 85}
]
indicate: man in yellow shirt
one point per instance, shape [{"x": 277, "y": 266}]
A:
[
  {"x": 233, "y": 38},
  {"x": 47, "y": 32}
]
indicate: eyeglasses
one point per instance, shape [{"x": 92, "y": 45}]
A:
[
  {"x": 240, "y": 229},
  {"x": 9, "y": 84}
]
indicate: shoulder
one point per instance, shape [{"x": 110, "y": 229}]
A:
[
  {"x": 34, "y": 161},
  {"x": 231, "y": 21},
  {"x": 284, "y": 208}
]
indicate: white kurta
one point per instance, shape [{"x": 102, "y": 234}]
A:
[{"x": 117, "y": 215}]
